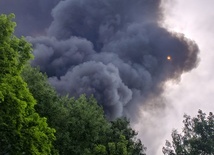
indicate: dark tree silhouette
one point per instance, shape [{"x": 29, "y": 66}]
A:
[{"x": 197, "y": 137}]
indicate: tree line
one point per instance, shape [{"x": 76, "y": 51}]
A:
[{"x": 35, "y": 120}]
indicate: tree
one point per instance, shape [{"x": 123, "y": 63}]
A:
[
  {"x": 123, "y": 135},
  {"x": 197, "y": 137},
  {"x": 79, "y": 123},
  {"x": 49, "y": 103},
  {"x": 81, "y": 127},
  {"x": 22, "y": 130},
  {"x": 87, "y": 126}
]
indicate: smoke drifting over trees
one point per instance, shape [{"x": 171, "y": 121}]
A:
[{"x": 114, "y": 49}]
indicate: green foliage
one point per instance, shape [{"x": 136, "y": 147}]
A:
[
  {"x": 81, "y": 128},
  {"x": 48, "y": 101},
  {"x": 86, "y": 126},
  {"x": 14, "y": 51},
  {"x": 119, "y": 147},
  {"x": 22, "y": 130},
  {"x": 124, "y": 138},
  {"x": 49, "y": 105},
  {"x": 100, "y": 150},
  {"x": 79, "y": 123},
  {"x": 197, "y": 137}
]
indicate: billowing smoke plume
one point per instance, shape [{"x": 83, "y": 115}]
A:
[{"x": 113, "y": 49}]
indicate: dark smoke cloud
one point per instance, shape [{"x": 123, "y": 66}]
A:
[
  {"x": 114, "y": 49},
  {"x": 32, "y": 16},
  {"x": 101, "y": 80}
]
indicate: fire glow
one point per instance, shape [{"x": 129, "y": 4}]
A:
[{"x": 169, "y": 58}]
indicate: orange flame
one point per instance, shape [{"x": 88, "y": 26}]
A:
[{"x": 169, "y": 58}]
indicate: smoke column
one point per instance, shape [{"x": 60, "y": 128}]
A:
[{"x": 113, "y": 49}]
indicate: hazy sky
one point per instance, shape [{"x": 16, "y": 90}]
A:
[{"x": 194, "y": 18}]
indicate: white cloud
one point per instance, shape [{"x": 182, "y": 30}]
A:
[{"x": 194, "y": 18}]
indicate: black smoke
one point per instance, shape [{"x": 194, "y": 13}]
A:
[
  {"x": 33, "y": 17},
  {"x": 114, "y": 49}
]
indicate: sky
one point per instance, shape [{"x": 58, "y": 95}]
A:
[
  {"x": 194, "y": 91},
  {"x": 186, "y": 94}
]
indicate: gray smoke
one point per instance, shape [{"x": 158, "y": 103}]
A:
[
  {"x": 32, "y": 16},
  {"x": 113, "y": 49}
]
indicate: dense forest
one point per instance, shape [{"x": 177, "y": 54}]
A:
[{"x": 35, "y": 120}]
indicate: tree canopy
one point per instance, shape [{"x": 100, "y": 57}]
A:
[
  {"x": 197, "y": 137},
  {"x": 81, "y": 126},
  {"x": 22, "y": 130},
  {"x": 35, "y": 119}
]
